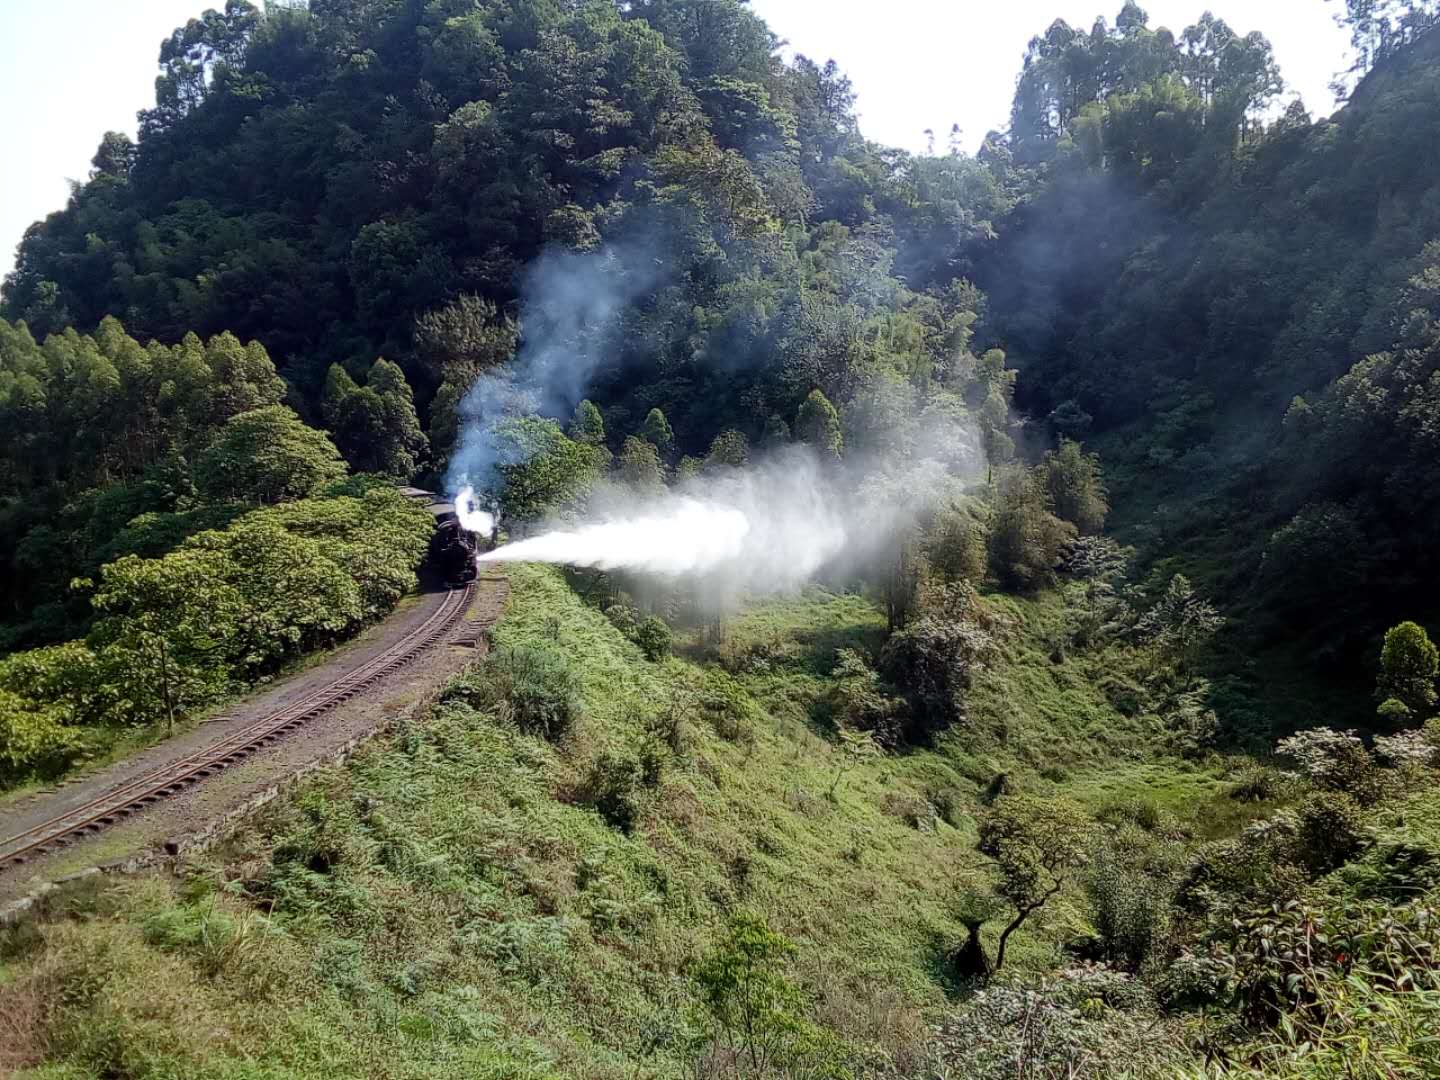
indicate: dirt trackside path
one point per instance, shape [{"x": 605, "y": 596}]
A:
[{"x": 206, "y": 807}]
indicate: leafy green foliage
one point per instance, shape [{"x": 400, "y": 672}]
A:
[
  {"x": 858, "y": 702},
  {"x": 1181, "y": 620},
  {"x": 587, "y": 426},
  {"x": 657, "y": 432},
  {"x": 34, "y": 737},
  {"x": 754, "y": 1009},
  {"x": 610, "y": 786},
  {"x": 1167, "y": 313},
  {"x": 1330, "y": 830},
  {"x": 818, "y": 424},
  {"x": 654, "y": 637},
  {"x": 1381, "y": 28},
  {"x": 375, "y": 426},
  {"x": 266, "y": 456},
  {"x": 1131, "y": 881},
  {"x": 176, "y": 632},
  {"x": 176, "y": 619},
  {"x": 105, "y": 430},
  {"x": 1038, "y": 846},
  {"x": 1026, "y": 539},
  {"x": 856, "y": 747},
  {"x": 494, "y": 133},
  {"x": 1286, "y": 959},
  {"x": 1135, "y": 231},
  {"x": 1409, "y": 662},
  {"x": 541, "y": 469},
  {"x": 1077, "y": 494},
  {"x": 638, "y": 466},
  {"x": 935, "y": 658},
  {"x": 730, "y": 449},
  {"x": 534, "y": 687},
  {"x": 1336, "y": 760},
  {"x": 1086, "y": 1023},
  {"x": 955, "y": 545}
]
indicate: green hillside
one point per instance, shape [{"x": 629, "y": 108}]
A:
[{"x": 1070, "y": 708}]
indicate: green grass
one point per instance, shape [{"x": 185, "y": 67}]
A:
[
  {"x": 1196, "y": 796},
  {"x": 444, "y": 905}
]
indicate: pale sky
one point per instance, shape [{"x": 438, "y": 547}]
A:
[
  {"x": 918, "y": 64},
  {"x": 71, "y": 70}
]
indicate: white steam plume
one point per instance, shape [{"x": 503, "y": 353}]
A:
[
  {"x": 571, "y": 305},
  {"x": 687, "y": 537},
  {"x": 764, "y": 529},
  {"x": 467, "y": 509}
]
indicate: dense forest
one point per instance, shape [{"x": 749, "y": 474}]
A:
[
  {"x": 1128, "y": 243},
  {"x": 1149, "y": 670}
]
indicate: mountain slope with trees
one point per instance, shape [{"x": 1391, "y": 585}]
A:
[
  {"x": 1240, "y": 315},
  {"x": 1153, "y": 801},
  {"x": 1133, "y": 232}
]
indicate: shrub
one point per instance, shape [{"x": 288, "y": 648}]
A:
[
  {"x": 649, "y": 632},
  {"x": 753, "y": 1012},
  {"x": 911, "y": 809},
  {"x": 652, "y": 759},
  {"x": 1191, "y": 728},
  {"x": 1283, "y": 959},
  {"x": 935, "y": 658},
  {"x": 1077, "y": 493},
  {"x": 1329, "y": 831},
  {"x": 33, "y": 738},
  {"x": 1259, "y": 866},
  {"x": 1087, "y": 1024},
  {"x": 1408, "y": 665},
  {"x": 1256, "y": 783},
  {"x": 1131, "y": 885},
  {"x": 1393, "y": 712},
  {"x": 624, "y": 618},
  {"x": 654, "y": 638},
  {"x": 973, "y": 910},
  {"x": 669, "y": 727},
  {"x": 740, "y": 657},
  {"x": 1191, "y": 981},
  {"x": 1181, "y": 621},
  {"x": 610, "y": 786},
  {"x": 1334, "y": 760},
  {"x": 948, "y": 804},
  {"x": 955, "y": 546},
  {"x": 1409, "y": 749},
  {"x": 854, "y": 698},
  {"x": 729, "y": 710},
  {"x": 1026, "y": 539},
  {"x": 534, "y": 687}
]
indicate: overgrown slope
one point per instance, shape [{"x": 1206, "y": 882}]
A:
[{"x": 453, "y": 903}]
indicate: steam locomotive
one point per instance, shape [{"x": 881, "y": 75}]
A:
[{"x": 452, "y": 547}]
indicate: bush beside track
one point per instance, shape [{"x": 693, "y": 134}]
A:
[{"x": 226, "y": 608}]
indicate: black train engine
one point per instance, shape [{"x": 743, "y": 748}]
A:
[{"x": 452, "y": 546}]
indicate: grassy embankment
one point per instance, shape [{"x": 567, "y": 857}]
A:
[{"x": 447, "y": 905}]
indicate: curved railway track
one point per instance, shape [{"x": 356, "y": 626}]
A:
[{"x": 153, "y": 787}]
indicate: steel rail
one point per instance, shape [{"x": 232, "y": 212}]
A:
[{"x": 150, "y": 788}]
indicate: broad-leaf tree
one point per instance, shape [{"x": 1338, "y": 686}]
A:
[
  {"x": 267, "y": 456},
  {"x": 1038, "y": 846}
]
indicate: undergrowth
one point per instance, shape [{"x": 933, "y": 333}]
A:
[{"x": 482, "y": 895}]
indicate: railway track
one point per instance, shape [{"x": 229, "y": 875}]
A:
[{"x": 144, "y": 791}]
